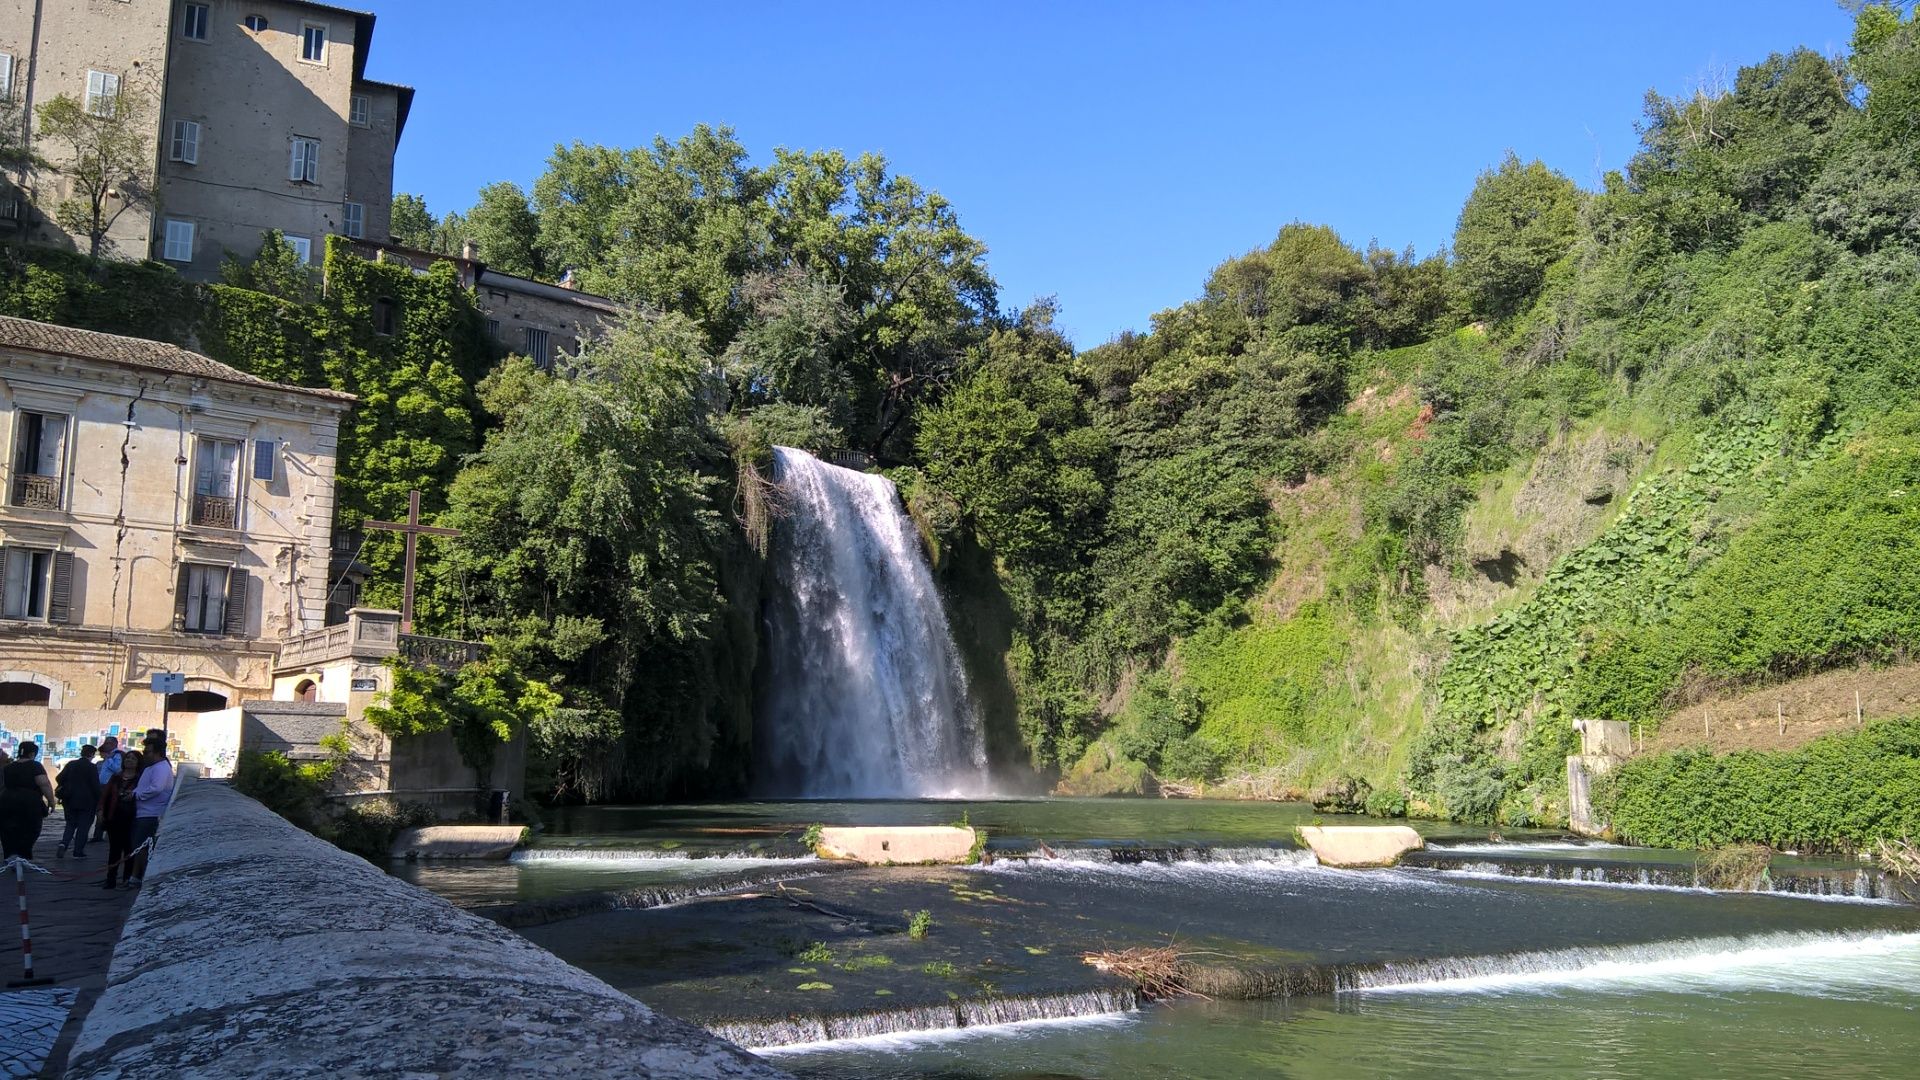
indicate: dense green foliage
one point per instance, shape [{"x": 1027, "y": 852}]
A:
[
  {"x": 1841, "y": 791},
  {"x": 1358, "y": 518}
]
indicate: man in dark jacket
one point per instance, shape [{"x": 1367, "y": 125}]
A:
[{"x": 78, "y": 789}]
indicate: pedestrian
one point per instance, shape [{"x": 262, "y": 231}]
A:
[
  {"x": 116, "y": 811},
  {"x": 26, "y": 798},
  {"x": 151, "y": 794},
  {"x": 109, "y": 767},
  {"x": 78, "y": 789}
]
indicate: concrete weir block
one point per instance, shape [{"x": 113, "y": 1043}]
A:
[
  {"x": 880, "y": 844},
  {"x": 458, "y": 842},
  {"x": 1353, "y": 846}
]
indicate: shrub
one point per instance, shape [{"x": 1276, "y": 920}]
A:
[
  {"x": 292, "y": 790},
  {"x": 1387, "y": 802},
  {"x": 1839, "y": 792},
  {"x": 918, "y": 923},
  {"x": 368, "y": 829},
  {"x": 816, "y": 953},
  {"x": 1736, "y": 867}
]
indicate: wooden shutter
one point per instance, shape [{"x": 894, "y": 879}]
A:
[
  {"x": 180, "y": 600},
  {"x": 237, "y": 602},
  {"x": 60, "y": 600}
]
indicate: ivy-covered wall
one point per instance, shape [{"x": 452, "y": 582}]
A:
[{"x": 411, "y": 346}]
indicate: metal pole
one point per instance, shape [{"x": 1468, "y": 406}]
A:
[
  {"x": 26, "y": 935},
  {"x": 166, "y": 709}
]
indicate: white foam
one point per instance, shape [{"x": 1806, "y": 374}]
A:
[
  {"x": 1522, "y": 847},
  {"x": 653, "y": 859},
  {"x": 1808, "y": 964},
  {"x": 903, "y": 1041}
]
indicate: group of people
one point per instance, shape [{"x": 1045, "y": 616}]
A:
[{"x": 107, "y": 792}]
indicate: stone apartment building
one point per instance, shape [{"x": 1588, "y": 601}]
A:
[
  {"x": 162, "y": 512},
  {"x": 259, "y": 113}
]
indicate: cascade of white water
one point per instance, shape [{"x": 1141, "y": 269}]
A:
[{"x": 865, "y": 696}]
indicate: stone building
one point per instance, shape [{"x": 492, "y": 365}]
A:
[
  {"x": 259, "y": 114},
  {"x": 162, "y": 512},
  {"x": 528, "y": 317}
]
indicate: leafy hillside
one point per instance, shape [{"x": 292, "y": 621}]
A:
[{"x": 1360, "y": 516}]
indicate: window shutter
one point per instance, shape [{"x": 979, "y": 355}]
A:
[
  {"x": 237, "y": 602},
  {"x": 60, "y": 601},
  {"x": 180, "y": 600},
  {"x": 297, "y": 164}
]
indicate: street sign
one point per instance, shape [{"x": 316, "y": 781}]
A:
[{"x": 168, "y": 682}]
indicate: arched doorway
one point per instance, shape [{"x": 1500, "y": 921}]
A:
[
  {"x": 196, "y": 701},
  {"x": 24, "y": 693},
  {"x": 306, "y": 690}
]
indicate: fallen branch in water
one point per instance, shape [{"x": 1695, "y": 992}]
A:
[
  {"x": 1901, "y": 858},
  {"x": 1156, "y": 972},
  {"x": 851, "y": 920}
]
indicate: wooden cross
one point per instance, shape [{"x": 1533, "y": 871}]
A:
[{"x": 411, "y": 529}]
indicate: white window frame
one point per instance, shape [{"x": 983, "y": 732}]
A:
[
  {"x": 19, "y": 575},
  {"x": 102, "y": 86},
  {"x": 211, "y": 601},
  {"x": 183, "y": 144},
  {"x": 302, "y": 246},
  {"x": 252, "y": 29},
  {"x": 188, "y": 22},
  {"x": 303, "y": 160},
  {"x": 307, "y": 28},
  {"x": 360, "y": 110},
  {"x": 543, "y": 355},
  {"x": 6, "y": 76},
  {"x": 353, "y": 220},
  {"x": 177, "y": 243}
]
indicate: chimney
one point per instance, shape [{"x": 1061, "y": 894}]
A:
[{"x": 469, "y": 251}]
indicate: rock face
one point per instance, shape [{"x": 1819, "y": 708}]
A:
[
  {"x": 258, "y": 950},
  {"x": 1360, "y": 845},
  {"x": 898, "y": 844},
  {"x": 458, "y": 842}
]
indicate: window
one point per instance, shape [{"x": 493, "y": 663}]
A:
[
  {"x": 303, "y": 164},
  {"x": 29, "y": 583},
  {"x": 257, "y": 23},
  {"x": 211, "y": 599},
  {"x": 193, "y": 22},
  {"x": 493, "y": 329},
  {"x": 384, "y": 317},
  {"x": 301, "y": 246},
  {"x": 179, "y": 245},
  {"x": 537, "y": 348},
  {"x": 6, "y": 77},
  {"x": 185, "y": 145},
  {"x": 39, "y": 459},
  {"x": 266, "y": 457},
  {"x": 215, "y": 468},
  {"x": 353, "y": 220},
  {"x": 358, "y": 111},
  {"x": 103, "y": 90},
  {"x": 313, "y": 43}
]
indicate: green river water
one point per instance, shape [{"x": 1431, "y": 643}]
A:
[{"x": 1467, "y": 973}]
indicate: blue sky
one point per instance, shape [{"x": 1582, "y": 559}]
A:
[{"x": 1109, "y": 154}]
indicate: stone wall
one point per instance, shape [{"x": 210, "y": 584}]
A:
[{"x": 256, "y": 949}]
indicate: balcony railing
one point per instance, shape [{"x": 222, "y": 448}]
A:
[
  {"x": 36, "y": 492},
  {"x": 447, "y": 654},
  {"x": 215, "y": 512}
]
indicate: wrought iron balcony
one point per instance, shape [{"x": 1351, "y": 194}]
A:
[
  {"x": 36, "y": 492},
  {"x": 215, "y": 512}
]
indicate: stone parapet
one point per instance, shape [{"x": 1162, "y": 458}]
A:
[{"x": 258, "y": 950}]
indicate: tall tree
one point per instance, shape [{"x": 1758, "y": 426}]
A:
[
  {"x": 109, "y": 160},
  {"x": 1519, "y": 220},
  {"x": 412, "y": 224},
  {"x": 505, "y": 230}
]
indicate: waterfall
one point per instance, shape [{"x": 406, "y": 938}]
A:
[{"x": 864, "y": 695}]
